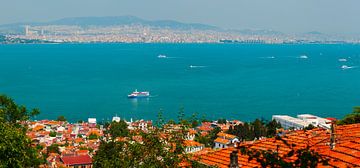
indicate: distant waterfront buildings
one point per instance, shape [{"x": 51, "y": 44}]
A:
[{"x": 302, "y": 121}]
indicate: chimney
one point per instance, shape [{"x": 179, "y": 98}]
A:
[
  {"x": 332, "y": 135},
  {"x": 234, "y": 159}
]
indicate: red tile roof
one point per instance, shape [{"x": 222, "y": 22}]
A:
[
  {"x": 345, "y": 154},
  {"x": 226, "y": 136},
  {"x": 191, "y": 143},
  {"x": 76, "y": 160}
]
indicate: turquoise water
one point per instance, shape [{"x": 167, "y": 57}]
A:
[{"x": 234, "y": 81}]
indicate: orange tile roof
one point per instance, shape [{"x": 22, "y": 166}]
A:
[
  {"x": 345, "y": 154},
  {"x": 192, "y": 131},
  {"x": 191, "y": 143},
  {"x": 226, "y": 136},
  {"x": 222, "y": 141},
  {"x": 38, "y": 128}
]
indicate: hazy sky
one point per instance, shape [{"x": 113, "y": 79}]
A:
[{"x": 291, "y": 16}]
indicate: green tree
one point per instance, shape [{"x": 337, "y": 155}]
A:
[
  {"x": 12, "y": 113},
  {"x": 153, "y": 151},
  {"x": 53, "y": 148},
  {"x": 119, "y": 129},
  {"x": 93, "y": 136},
  {"x": 172, "y": 122},
  {"x": 271, "y": 128},
  {"x": 15, "y": 146},
  {"x": 52, "y": 134},
  {"x": 181, "y": 115},
  {"x": 352, "y": 118},
  {"x": 194, "y": 120},
  {"x": 213, "y": 135},
  {"x": 61, "y": 118},
  {"x": 221, "y": 121},
  {"x": 309, "y": 127},
  {"x": 160, "y": 119}
]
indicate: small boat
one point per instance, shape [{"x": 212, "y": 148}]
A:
[
  {"x": 162, "y": 56},
  {"x": 345, "y": 67},
  {"x": 342, "y": 59},
  {"x": 303, "y": 57},
  {"x": 137, "y": 94}
]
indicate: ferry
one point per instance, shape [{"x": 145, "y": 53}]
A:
[
  {"x": 342, "y": 59},
  {"x": 137, "y": 94},
  {"x": 346, "y": 67},
  {"x": 304, "y": 57},
  {"x": 162, "y": 56}
]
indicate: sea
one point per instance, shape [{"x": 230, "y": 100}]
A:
[{"x": 232, "y": 81}]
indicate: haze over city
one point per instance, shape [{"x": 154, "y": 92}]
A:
[{"x": 288, "y": 16}]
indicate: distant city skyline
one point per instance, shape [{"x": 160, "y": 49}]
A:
[{"x": 288, "y": 16}]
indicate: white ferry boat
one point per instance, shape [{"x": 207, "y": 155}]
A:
[
  {"x": 137, "y": 94},
  {"x": 162, "y": 56}
]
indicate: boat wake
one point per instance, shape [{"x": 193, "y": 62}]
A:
[
  {"x": 347, "y": 67},
  {"x": 197, "y": 66},
  {"x": 303, "y": 57},
  {"x": 269, "y": 57}
]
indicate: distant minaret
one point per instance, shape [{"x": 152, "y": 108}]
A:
[{"x": 27, "y": 30}]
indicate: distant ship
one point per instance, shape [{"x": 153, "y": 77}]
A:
[
  {"x": 137, "y": 94},
  {"x": 304, "y": 57},
  {"x": 162, "y": 56},
  {"x": 346, "y": 67},
  {"x": 342, "y": 59}
]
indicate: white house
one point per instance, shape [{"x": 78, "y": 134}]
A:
[{"x": 225, "y": 140}]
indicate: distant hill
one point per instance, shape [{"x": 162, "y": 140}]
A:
[
  {"x": 109, "y": 21},
  {"x": 128, "y": 20}
]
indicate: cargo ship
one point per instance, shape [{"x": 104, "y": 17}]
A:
[{"x": 137, "y": 94}]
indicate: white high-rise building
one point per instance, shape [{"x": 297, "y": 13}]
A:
[{"x": 27, "y": 32}]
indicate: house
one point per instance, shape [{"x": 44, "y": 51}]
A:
[
  {"x": 340, "y": 146},
  {"x": 77, "y": 161},
  {"x": 190, "y": 134},
  {"x": 192, "y": 146},
  {"x": 92, "y": 122},
  {"x": 225, "y": 140}
]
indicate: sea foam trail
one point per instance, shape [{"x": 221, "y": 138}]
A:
[{"x": 197, "y": 66}]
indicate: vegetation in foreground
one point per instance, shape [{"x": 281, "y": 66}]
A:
[{"x": 157, "y": 148}]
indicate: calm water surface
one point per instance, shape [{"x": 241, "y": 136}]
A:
[{"x": 234, "y": 81}]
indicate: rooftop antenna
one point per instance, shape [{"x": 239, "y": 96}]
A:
[{"x": 332, "y": 135}]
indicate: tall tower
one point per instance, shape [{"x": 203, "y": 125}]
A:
[{"x": 27, "y": 30}]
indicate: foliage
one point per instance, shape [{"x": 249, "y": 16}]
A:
[
  {"x": 255, "y": 129},
  {"x": 309, "y": 127},
  {"x": 52, "y": 134},
  {"x": 172, "y": 122},
  {"x": 53, "y": 148},
  {"x": 221, "y": 121},
  {"x": 194, "y": 120},
  {"x": 153, "y": 151},
  {"x": 93, "y": 136},
  {"x": 15, "y": 146},
  {"x": 160, "y": 120},
  {"x": 208, "y": 140},
  {"x": 351, "y": 118},
  {"x": 12, "y": 113},
  {"x": 119, "y": 129},
  {"x": 61, "y": 118},
  {"x": 271, "y": 128}
]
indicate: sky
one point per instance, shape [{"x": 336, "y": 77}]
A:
[{"x": 289, "y": 16}]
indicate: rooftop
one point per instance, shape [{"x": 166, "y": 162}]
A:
[{"x": 345, "y": 154}]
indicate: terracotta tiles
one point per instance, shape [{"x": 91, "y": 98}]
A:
[{"x": 345, "y": 154}]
